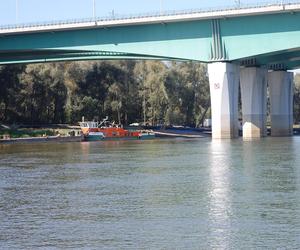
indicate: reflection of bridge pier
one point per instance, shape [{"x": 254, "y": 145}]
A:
[{"x": 224, "y": 79}]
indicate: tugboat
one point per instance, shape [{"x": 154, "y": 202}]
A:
[{"x": 105, "y": 130}]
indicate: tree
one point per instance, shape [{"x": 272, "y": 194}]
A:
[
  {"x": 43, "y": 93},
  {"x": 9, "y": 88},
  {"x": 151, "y": 79},
  {"x": 188, "y": 88},
  {"x": 131, "y": 101},
  {"x": 175, "y": 87},
  {"x": 297, "y": 99}
]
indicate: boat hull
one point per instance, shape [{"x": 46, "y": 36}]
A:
[
  {"x": 95, "y": 136},
  {"x": 147, "y": 136},
  {"x": 125, "y": 138}
]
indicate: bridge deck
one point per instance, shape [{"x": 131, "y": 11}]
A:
[{"x": 163, "y": 17}]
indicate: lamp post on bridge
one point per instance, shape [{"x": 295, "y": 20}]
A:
[
  {"x": 94, "y": 9},
  {"x": 17, "y": 11},
  {"x": 238, "y": 3}
]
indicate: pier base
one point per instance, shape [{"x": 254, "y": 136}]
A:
[
  {"x": 281, "y": 100},
  {"x": 224, "y": 82},
  {"x": 254, "y": 101}
]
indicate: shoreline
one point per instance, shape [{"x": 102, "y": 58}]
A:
[{"x": 42, "y": 139}]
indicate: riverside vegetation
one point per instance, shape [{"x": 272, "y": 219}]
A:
[{"x": 154, "y": 92}]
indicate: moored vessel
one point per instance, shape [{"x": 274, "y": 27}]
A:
[{"x": 105, "y": 130}]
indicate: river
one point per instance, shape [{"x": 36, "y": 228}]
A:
[{"x": 160, "y": 194}]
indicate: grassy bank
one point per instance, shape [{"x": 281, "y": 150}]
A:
[
  {"x": 23, "y": 133},
  {"x": 6, "y": 133}
]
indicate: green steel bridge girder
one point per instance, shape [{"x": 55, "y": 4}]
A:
[
  {"x": 249, "y": 40},
  {"x": 80, "y": 58},
  {"x": 72, "y": 56}
]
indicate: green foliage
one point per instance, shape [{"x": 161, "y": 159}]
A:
[
  {"x": 297, "y": 99},
  {"x": 153, "y": 92},
  {"x": 41, "y": 94},
  {"x": 9, "y": 91},
  {"x": 189, "y": 98},
  {"x": 22, "y": 133},
  {"x": 151, "y": 78}
]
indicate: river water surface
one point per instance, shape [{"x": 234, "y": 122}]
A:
[{"x": 160, "y": 194}]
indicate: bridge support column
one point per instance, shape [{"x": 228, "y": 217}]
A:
[
  {"x": 281, "y": 100},
  {"x": 254, "y": 101},
  {"x": 224, "y": 82}
]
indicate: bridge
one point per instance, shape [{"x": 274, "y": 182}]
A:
[{"x": 252, "y": 46}]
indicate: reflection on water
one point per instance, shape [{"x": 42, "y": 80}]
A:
[
  {"x": 219, "y": 195},
  {"x": 165, "y": 194}
]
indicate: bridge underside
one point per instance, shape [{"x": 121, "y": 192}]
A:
[
  {"x": 58, "y": 56},
  {"x": 279, "y": 60}
]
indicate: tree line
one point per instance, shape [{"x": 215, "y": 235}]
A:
[{"x": 128, "y": 91}]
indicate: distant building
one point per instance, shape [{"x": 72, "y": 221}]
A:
[{"x": 207, "y": 123}]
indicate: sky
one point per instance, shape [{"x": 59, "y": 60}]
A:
[{"x": 51, "y": 10}]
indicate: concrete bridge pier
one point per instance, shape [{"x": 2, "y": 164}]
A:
[
  {"x": 281, "y": 100},
  {"x": 224, "y": 82},
  {"x": 253, "y": 82}
]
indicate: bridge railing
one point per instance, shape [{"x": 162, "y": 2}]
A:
[{"x": 116, "y": 17}]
